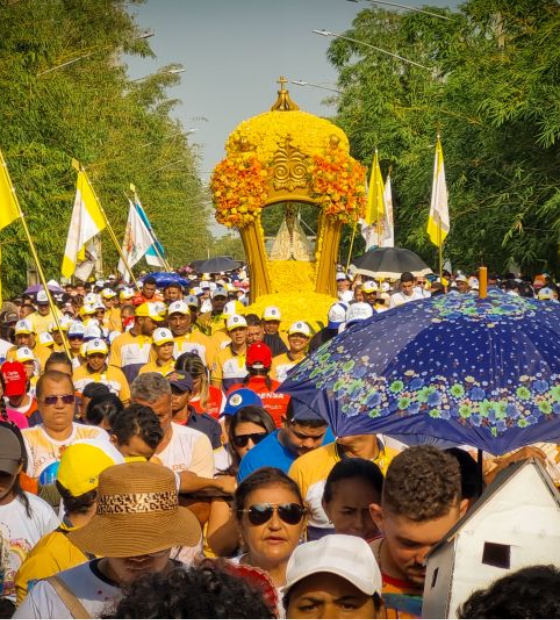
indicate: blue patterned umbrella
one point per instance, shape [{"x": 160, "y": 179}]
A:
[
  {"x": 164, "y": 278},
  {"x": 483, "y": 372}
]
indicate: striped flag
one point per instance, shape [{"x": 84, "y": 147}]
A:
[
  {"x": 438, "y": 221},
  {"x": 137, "y": 241},
  {"x": 87, "y": 221},
  {"x": 154, "y": 257}
]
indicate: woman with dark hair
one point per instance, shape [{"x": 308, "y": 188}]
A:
[
  {"x": 24, "y": 518},
  {"x": 246, "y": 428},
  {"x": 271, "y": 518},
  {"x": 101, "y": 408},
  {"x": 351, "y": 487},
  {"x": 205, "y": 398},
  {"x": 210, "y": 590}
]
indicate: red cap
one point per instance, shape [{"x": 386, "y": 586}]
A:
[
  {"x": 259, "y": 353},
  {"x": 15, "y": 378}
]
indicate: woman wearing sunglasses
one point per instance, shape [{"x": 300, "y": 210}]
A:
[
  {"x": 246, "y": 428},
  {"x": 271, "y": 518}
]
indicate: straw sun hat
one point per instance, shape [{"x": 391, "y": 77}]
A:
[{"x": 137, "y": 513}]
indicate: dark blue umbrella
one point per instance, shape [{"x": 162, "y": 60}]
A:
[
  {"x": 483, "y": 372},
  {"x": 164, "y": 278}
]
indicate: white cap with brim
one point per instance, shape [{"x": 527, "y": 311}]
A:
[
  {"x": 337, "y": 315},
  {"x": 349, "y": 557}
]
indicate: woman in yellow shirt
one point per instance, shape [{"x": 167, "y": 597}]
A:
[{"x": 162, "y": 345}]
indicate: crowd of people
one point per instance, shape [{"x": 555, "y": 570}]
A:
[{"x": 150, "y": 467}]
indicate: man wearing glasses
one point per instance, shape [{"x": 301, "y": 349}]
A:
[{"x": 46, "y": 442}]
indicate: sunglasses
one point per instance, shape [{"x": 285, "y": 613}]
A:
[
  {"x": 240, "y": 441},
  {"x": 67, "y": 399},
  {"x": 259, "y": 514}
]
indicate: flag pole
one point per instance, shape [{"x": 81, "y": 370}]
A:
[
  {"x": 351, "y": 245},
  {"x": 40, "y": 271},
  {"x": 160, "y": 255},
  {"x": 114, "y": 239}
]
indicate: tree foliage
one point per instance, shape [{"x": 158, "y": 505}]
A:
[
  {"x": 492, "y": 90},
  {"x": 66, "y": 94}
]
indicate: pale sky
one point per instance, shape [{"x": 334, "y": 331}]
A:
[{"x": 235, "y": 50}]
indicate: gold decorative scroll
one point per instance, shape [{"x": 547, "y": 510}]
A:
[{"x": 289, "y": 168}]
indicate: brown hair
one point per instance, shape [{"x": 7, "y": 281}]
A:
[{"x": 422, "y": 483}]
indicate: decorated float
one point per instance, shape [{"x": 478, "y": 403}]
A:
[{"x": 288, "y": 157}]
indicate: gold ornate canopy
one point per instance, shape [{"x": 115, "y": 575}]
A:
[{"x": 288, "y": 156}]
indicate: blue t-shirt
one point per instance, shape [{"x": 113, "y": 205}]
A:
[{"x": 271, "y": 453}]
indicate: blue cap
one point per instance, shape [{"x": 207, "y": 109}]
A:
[{"x": 243, "y": 397}]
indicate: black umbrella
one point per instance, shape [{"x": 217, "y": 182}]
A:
[
  {"x": 390, "y": 263},
  {"x": 216, "y": 265}
]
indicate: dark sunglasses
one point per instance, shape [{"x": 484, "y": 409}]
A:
[
  {"x": 67, "y": 399},
  {"x": 240, "y": 441},
  {"x": 259, "y": 514}
]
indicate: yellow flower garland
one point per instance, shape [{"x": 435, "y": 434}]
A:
[{"x": 241, "y": 182}]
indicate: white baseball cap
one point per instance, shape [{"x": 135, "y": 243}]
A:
[
  {"x": 349, "y": 557},
  {"x": 162, "y": 335},
  {"x": 236, "y": 321},
  {"x": 42, "y": 297},
  {"x": 92, "y": 331},
  {"x": 300, "y": 327},
  {"x": 358, "y": 312},
  {"x": 46, "y": 339},
  {"x": 272, "y": 313},
  {"x": 77, "y": 328},
  {"x": 370, "y": 287},
  {"x": 24, "y": 327},
  {"x": 337, "y": 315},
  {"x": 178, "y": 307},
  {"x": 97, "y": 345},
  {"x": 108, "y": 293},
  {"x": 25, "y": 354},
  {"x": 91, "y": 298}
]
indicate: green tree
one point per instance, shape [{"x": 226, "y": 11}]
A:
[
  {"x": 66, "y": 94},
  {"x": 493, "y": 94}
]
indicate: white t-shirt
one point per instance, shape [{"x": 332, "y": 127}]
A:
[
  {"x": 21, "y": 533},
  {"x": 43, "y": 450},
  {"x": 188, "y": 450},
  {"x": 398, "y": 299},
  {"x": 94, "y": 591}
]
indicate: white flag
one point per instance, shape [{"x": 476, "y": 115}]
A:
[
  {"x": 389, "y": 227},
  {"x": 137, "y": 241},
  {"x": 438, "y": 220}
]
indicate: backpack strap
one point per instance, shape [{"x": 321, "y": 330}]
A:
[{"x": 68, "y": 598}]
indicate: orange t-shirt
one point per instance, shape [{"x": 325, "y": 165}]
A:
[{"x": 274, "y": 402}]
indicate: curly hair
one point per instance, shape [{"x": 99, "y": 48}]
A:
[
  {"x": 531, "y": 592},
  {"x": 422, "y": 483},
  {"x": 206, "y": 591}
]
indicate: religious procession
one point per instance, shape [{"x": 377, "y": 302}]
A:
[{"x": 329, "y": 425}]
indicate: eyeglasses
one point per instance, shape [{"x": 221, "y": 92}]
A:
[
  {"x": 241, "y": 441},
  {"x": 67, "y": 399},
  {"x": 259, "y": 514}
]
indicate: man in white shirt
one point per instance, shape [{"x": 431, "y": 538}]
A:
[
  {"x": 407, "y": 292},
  {"x": 184, "y": 450},
  {"x": 46, "y": 442}
]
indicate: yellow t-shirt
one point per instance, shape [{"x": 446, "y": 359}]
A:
[
  {"x": 281, "y": 364},
  {"x": 163, "y": 369},
  {"x": 112, "y": 377},
  {"x": 41, "y": 323},
  {"x": 228, "y": 367},
  {"x": 52, "y": 554},
  {"x": 311, "y": 470},
  {"x": 195, "y": 342},
  {"x": 130, "y": 353}
]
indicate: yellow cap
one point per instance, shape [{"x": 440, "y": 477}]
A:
[
  {"x": 150, "y": 310},
  {"x": 80, "y": 466}
]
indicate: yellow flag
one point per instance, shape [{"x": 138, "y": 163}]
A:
[
  {"x": 9, "y": 210},
  {"x": 375, "y": 209},
  {"x": 438, "y": 221},
  {"x": 87, "y": 221}
]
